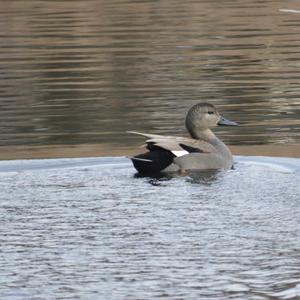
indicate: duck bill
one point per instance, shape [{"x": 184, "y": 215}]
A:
[{"x": 225, "y": 122}]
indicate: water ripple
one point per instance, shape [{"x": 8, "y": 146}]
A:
[
  {"x": 86, "y": 228},
  {"x": 81, "y": 72}
]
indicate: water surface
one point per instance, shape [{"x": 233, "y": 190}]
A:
[
  {"x": 82, "y": 73},
  {"x": 90, "y": 229}
]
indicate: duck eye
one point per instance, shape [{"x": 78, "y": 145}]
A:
[{"x": 210, "y": 112}]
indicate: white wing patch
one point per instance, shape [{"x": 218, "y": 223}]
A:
[{"x": 179, "y": 152}]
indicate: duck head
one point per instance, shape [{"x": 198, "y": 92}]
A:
[{"x": 202, "y": 116}]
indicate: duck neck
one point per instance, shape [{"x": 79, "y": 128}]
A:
[
  {"x": 208, "y": 136},
  {"x": 204, "y": 134}
]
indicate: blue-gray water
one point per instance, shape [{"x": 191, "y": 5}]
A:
[{"x": 90, "y": 229}]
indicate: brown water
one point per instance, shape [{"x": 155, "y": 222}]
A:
[{"x": 84, "y": 72}]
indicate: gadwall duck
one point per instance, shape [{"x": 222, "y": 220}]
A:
[{"x": 203, "y": 151}]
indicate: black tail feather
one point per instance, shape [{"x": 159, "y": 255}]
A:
[{"x": 152, "y": 162}]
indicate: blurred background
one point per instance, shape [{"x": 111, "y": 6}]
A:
[{"x": 78, "y": 74}]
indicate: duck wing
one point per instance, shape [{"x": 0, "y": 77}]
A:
[{"x": 177, "y": 145}]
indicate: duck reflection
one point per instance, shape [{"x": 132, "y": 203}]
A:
[{"x": 206, "y": 177}]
